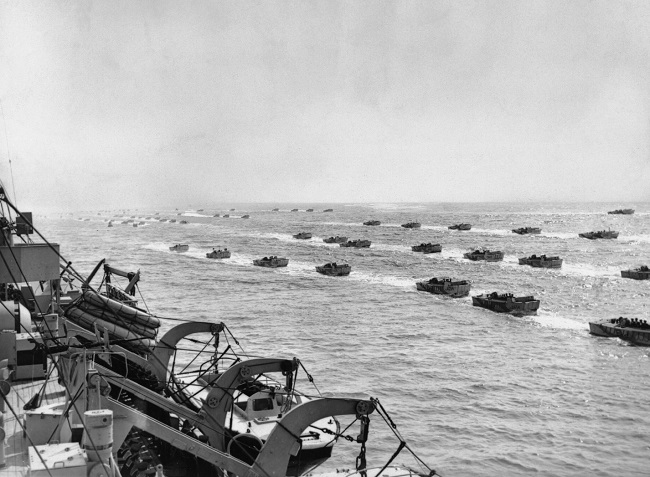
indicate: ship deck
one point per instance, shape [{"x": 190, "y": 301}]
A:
[{"x": 16, "y": 444}]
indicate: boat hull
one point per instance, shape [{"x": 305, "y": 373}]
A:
[
  {"x": 429, "y": 248},
  {"x": 218, "y": 254},
  {"x": 517, "y": 306},
  {"x": 356, "y": 244},
  {"x": 452, "y": 289},
  {"x": 610, "y": 330},
  {"x": 539, "y": 263},
  {"x": 488, "y": 257},
  {"x": 635, "y": 274},
  {"x": 277, "y": 263},
  {"x": 334, "y": 272},
  {"x": 335, "y": 240}
]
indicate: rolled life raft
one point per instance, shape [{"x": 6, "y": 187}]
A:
[{"x": 136, "y": 328}]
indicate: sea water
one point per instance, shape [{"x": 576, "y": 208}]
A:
[{"x": 472, "y": 392}]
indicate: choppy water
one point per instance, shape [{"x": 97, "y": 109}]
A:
[{"x": 473, "y": 392}]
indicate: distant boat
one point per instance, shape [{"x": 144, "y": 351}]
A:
[
  {"x": 541, "y": 262},
  {"x": 216, "y": 215},
  {"x": 412, "y": 225},
  {"x": 622, "y": 211},
  {"x": 275, "y": 210},
  {"x": 334, "y": 269},
  {"x": 183, "y": 222},
  {"x": 218, "y": 253},
  {"x": 172, "y": 220},
  {"x": 372, "y": 222},
  {"x": 309, "y": 210},
  {"x": 135, "y": 224},
  {"x": 294, "y": 210},
  {"x": 356, "y": 243},
  {"x": 271, "y": 262},
  {"x": 110, "y": 223},
  {"x": 302, "y": 235},
  {"x": 427, "y": 248},
  {"x": 328, "y": 210},
  {"x": 246, "y": 216},
  {"x": 507, "y": 303},
  {"x": 641, "y": 273},
  {"x": 460, "y": 227},
  {"x": 179, "y": 248},
  {"x": 336, "y": 239},
  {"x": 232, "y": 210},
  {"x": 484, "y": 255},
  {"x": 527, "y": 230},
  {"x": 200, "y": 210},
  {"x": 601, "y": 234},
  {"x": 225, "y": 216},
  {"x": 633, "y": 330},
  {"x": 445, "y": 286}
]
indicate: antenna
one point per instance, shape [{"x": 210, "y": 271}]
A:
[{"x": 11, "y": 171}]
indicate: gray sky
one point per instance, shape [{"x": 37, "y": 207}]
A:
[{"x": 114, "y": 104}]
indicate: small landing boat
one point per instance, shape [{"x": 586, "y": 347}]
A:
[
  {"x": 621, "y": 211},
  {"x": 541, "y": 262},
  {"x": 356, "y": 243},
  {"x": 336, "y": 239},
  {"x": 460, "y": 227},
  {"x": 179, "y": 248},
  {"x": 328, "y": 210},
  {"x": 302, "y": 235},
  {"x": 527, "y": 230},
  {"x": 427, "y": 248},
  {"x": 246, "y": 216},
  {"x": 110, "y": 223},
  {"x": 641, "y": 273},
  {"x": 294, "y": 210},
  {"x": 372, "y": 222},
  {"x": 633, "y": 330},
  {"x": 225, "y": 216},
  {"x": 218, "y": 253},
  {"x": 412, "y": 225},
  {"x": 275, "y": 210},
  {"x": 216, "y": 215},
  {"x": 484, "y": 255},
  {"x": 334, "y": 269},
  {"x": 601, "y": 234},
  {"x": 445, "y": 286},
  {"x": 309, "y": 210},
  {"x": 271, "y": 262},
  {"x": 507, "y": 303},
  {"x": 183, "y": 222}
]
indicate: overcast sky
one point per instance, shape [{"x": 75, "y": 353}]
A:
[{"x": 111, "y": 104}]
